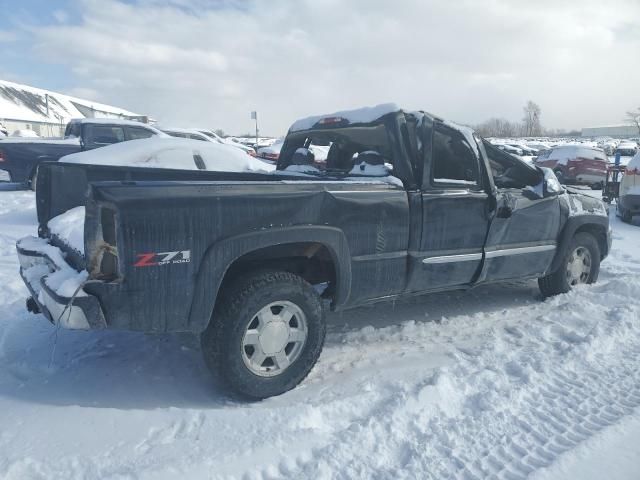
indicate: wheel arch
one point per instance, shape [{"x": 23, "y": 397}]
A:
[
  {"x": 594, "y": 225},
  {"x": 285, "y": 248}
]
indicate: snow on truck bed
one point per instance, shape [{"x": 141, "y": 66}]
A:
[
  {"x": 171, "y": 152},
  {"x": 491, "y": 383}
]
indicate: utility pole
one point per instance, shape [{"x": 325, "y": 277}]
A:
[{"x": 254, "y": 116}]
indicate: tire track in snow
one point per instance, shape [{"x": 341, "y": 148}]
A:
[{"x": 556, "y": 382}]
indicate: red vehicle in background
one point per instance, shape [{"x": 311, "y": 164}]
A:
[{"x": 576, "y": 164}]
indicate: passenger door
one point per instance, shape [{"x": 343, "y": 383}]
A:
[
  {"x": 522, "y": 238},
  {"x": 455, "y": 212}
]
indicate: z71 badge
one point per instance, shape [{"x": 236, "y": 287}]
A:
[{"x": 162, "y": 258}]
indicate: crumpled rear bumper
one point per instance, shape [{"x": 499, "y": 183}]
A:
[{"x": 83, "y": 313}]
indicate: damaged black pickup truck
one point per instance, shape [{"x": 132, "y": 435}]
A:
[{"x": 405, "y": 203}]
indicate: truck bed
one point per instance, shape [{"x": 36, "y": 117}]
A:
[{"x": 204, "y": 221}]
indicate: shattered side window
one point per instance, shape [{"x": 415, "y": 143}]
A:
[
  {"x": 508, "y": 171},
  {"x": 454, "y": 159}
]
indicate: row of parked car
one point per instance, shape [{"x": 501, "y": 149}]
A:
[
  {"x": 577, "y": 164},
  {"x": 20, "y": 157}
]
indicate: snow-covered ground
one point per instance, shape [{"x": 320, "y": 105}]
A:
[{"x": 492, "y": 383}]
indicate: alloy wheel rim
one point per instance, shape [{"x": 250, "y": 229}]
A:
[
  {"x": 579, "y": 266},
  {"x": 274, "y": 338}
]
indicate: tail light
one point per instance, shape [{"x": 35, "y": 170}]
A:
[
  {"x": 109, "y": 262},
  {"x": 104, "y": 257},
  {"x": 331, "y": 120},
  {"x": 2, "y": 157}
]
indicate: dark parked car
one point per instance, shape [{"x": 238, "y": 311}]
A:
[
  {"x": 20, "y": 157},
  {"x": 576, "y": 164},
  {"x": 407, "y": 204}
]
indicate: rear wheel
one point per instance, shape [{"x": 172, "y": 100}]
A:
[
  {"x": 581, "y": 265},
  {"x": 265, "y": 335}
]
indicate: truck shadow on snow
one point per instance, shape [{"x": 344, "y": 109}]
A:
[{"x": 127, "y": 370}]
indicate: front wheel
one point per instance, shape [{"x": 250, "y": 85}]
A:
[
  {"x": 266, "y": 334},
  {"x": 581, "y": 265}
]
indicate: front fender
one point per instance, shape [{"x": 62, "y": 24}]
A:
[
  {"x": 588, "y": 223},
  {"x": 221, "y": 255}
]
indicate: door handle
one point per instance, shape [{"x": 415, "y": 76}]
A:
[{"x": 504, "y": 212}]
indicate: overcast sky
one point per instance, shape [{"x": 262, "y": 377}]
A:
[{"x": 209, "y": 63}]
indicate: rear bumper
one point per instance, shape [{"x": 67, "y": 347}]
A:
[{"x": 82, "y": 312}]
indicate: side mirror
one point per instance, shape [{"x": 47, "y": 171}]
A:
[
  {"x": 552, "y": 186},
  {"x": 549, "y": 186}
]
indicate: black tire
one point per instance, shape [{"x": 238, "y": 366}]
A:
[
  {"x": 222, "y": 341},
  {"x": 625, "y": 215},
  {"x": 558, "y": 282}
]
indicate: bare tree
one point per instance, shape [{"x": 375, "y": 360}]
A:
[
  {"x": 531, "y": 121},
  {"x": 497, "y": 127},
  {"x": 634, "y": 118},
  {"x": 220, "y": 132}
]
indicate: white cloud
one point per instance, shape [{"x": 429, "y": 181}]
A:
[
  {"x": 7, "y": 36},
  {"x": 465, "y": 60},
  {"x": 61, "y": 16}
]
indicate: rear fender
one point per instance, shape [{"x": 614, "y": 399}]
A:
[{"x": 220, "y": 256}]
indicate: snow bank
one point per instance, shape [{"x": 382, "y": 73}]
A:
[
  {"x": 490, "y": 383},
  {"x": 69, "y": 227},
  {"x": 171, "y": 152},
  {"x": 360, "y": 115}
]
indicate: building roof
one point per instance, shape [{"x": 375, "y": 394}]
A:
[
  {"x": 29, "y": 104},
  {"x": 622, "y": 129}
]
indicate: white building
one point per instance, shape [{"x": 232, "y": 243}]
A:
[
  {"x": 616, "y": 131},
  {"x": 46, "y": 113}
]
